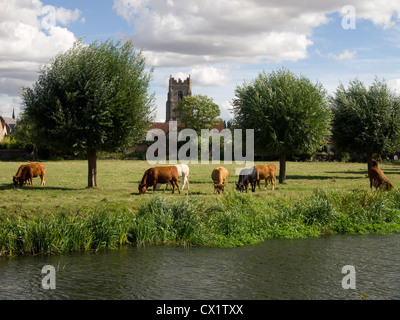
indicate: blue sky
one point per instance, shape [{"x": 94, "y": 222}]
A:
[{"x": 220, "y": 44}]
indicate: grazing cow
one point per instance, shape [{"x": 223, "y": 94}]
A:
[
  {"x": 267, "y": 172},
  {"x": 16, "y": 178},
  {"x": 247, "y": 177},
  {"x": 219, "y": 176},
  {"x": 377, "y": 178},
  {"x": 161, "y": 175},
  {"x": 183, "y": 171},
  {"x": 27, "y": 172}
]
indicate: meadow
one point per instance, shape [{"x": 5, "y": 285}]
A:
[{"x": 318, "y": 198}]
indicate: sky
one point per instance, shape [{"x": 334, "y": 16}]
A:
[{"x": 221, "y": 44}]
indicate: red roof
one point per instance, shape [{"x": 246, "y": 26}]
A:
[{"x": 164, "y": 126}]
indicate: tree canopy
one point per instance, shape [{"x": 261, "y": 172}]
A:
[
  {"x": 289, "y": 114},
  {"x": 366, "y": 120},
  {"x": 198, "y": 112},
  {"x": 92, "y": 97}
]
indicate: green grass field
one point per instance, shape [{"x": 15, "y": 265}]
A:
[
  {"x": 64, "y": 216},
  {"x": 118, "y": 180}
]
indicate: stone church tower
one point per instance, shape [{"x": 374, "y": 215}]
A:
[{"x": 178, "y": 89}]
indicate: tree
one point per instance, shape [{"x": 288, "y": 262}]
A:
[
  {"x": 366, "y": 120},
  {"x": 289, "y": 114},
  {"x": 198, "y": 112},
  {"x": 90, "y": 98}
]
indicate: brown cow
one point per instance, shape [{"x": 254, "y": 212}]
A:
[
  {"x": 27, "y": 172},
  {"x": 16, "y": 178},
  {"x": 219, "y": 176},
  {"x": 377, "y": 178},
  {"x": 267, "y": 172},
  {"x": 161, "y": 175}
]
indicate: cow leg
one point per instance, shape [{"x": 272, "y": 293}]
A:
[
  {"x": 185, "y": 181},
  {"x": 177, "y": 184},
  {"x": 154, "y": 186}
]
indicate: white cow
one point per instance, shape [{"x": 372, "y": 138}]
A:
[{"x": 183, "y": 171}]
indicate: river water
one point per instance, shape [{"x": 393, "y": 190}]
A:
[{"x": 275, "y": 269}]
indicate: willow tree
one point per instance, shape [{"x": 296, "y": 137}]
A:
[
  {"x": 288, "y": 113},
  {"x": 90, "y": 98},
  {"x": 366, "y": 120}
]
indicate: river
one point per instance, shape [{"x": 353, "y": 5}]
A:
[{"x": 275, "y": 269}]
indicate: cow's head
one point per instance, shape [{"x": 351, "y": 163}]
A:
[
  {"x": 18, "y": 181},
  {"x": 239, "y": 186},
  {"x": 218, "y": 188},
  {"x": 142, "y": 188}
]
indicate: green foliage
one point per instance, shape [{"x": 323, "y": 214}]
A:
[
  {"x": 101, "y": 227},
  {"x": 90, "y": 97},
  {"x": 366, "y": 120},
  {"x": 198, "y": 112},
  {"x": 10, "y": 142},
  {"x": 289, "y": 113},
  {"x": 233, "y": 220}
]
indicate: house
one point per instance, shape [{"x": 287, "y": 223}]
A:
[{"x": 7, "y": 126}]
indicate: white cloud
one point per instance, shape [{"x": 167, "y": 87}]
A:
[
  {"x": 226, "y": 111},
  {"x": 210, "y": 76},
  {"x": 65, "y": 16},
  {"x": 382, "y": 13},
  {"x": 394, "y": 84},
  {"x": 345, "y": 55},
  {"x": 187, "y": 32},
  {"x": 28, "y": 41},
  {"x": 184, "y": 32}
]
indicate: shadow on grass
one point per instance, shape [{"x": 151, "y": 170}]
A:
[
  {"x": 348, "y": 172},
  {"x": 296, "y": 177},
  {"x": 169, "y": 192},
  {"x": 391, "y": 171},
  {"x": 11, "y": 187}
]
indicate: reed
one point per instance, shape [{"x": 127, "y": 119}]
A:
[{"x": 96, "y": 228}]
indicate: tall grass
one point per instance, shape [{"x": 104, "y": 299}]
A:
[
  {"x": 229, "y": 220},
  {"x": 240, "y": 219},
  {"x": 58, "y": 233}
]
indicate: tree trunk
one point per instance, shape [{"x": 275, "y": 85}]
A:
[
  {"x": 282, "y": 168},
  {"x": 369, "y": 161},
  {"x": 92, "y": 165}
]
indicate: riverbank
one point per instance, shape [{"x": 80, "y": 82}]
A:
[{"x": 230, "y": 220}]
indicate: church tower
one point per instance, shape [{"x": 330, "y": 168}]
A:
[{"x": 178, "y": 89}]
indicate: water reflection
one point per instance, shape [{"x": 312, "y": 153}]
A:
[{"x": 274, "y": 269}]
